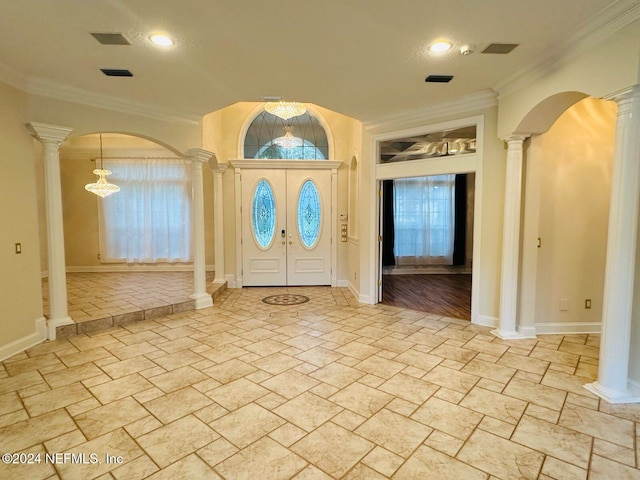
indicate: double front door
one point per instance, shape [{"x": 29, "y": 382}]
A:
[{"x": 286, "y": 227}]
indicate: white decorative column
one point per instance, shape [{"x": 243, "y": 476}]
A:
[
  {"x": 613, "y": 372},
  {"x": 51, "y": 136},
  {"x": 198, "y": 157},
  {"x": 511, "y": 242},
  {"x": 218, "y": 221}
]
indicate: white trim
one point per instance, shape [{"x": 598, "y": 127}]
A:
[
  {"x": 342, "y": 282},
  {"x": 134, "y": 268},
  {"x": 286, "y": 164},
  {"x": 47, "y": 88},
  {"x": 631, "y": 395},
  {"x": 486, "y": 321},
  {"x": 354, "y": 290},
  {"x": 52, "y": 326},
  {"x": 464, "y": 105},
  {"x": 353, "y": 240},
  {"x": 568, "y": 328},
  {"x": 28, "y": 341},
  {"x": 597, "y": 29},
  {"x": 365, "y": 299},
  {"x": 231, "y": 280},
  {"x": 203, "y": 300}
]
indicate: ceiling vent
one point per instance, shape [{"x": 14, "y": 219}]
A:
[
  {"x": 116, "y": 72},
  {"x": 501, "y": 48},
  {"x": 111, "y": 38},
  {"x": 438, "y": 78}
]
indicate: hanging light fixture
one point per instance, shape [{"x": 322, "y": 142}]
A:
[
  {"x": 102, "y": 188},
  {"x": 285, "y": 110},
  {"x": 289, "y": 140}
]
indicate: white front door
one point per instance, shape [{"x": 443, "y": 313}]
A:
[{"x": 286, "y": 227}]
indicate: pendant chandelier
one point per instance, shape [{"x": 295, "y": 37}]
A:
[
  {"x": 289, "y": 140},
  {"x": 102, "y": 188},
  {"x": 285, "y": 110}
]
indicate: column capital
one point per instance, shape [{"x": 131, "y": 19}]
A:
[
  {"x": 516, "y": 138},
  {"x": 220, "y": 168},
  {"x": 626, "y": 94},
  {"x": 199, "y": 155},
  {"x": 47, "y": 133}
]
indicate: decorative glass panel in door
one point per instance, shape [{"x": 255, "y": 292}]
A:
[
  {"x": 263, "y": 214},
  {"x": 309, "y": 214}
]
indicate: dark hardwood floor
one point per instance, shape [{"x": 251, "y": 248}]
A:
[{"x": 440, "y": 294}]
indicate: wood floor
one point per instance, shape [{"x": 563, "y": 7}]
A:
[{"x": 446, "y": 295}]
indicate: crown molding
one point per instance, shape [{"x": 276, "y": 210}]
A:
[
  {"x": 47, "y": 88},
  {"x": 597, "y": 29},
  {"x": 463, "y": 105},
  {"x": 12, "y": 77}
]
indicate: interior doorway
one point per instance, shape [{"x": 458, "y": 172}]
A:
[{"x": 427, "y": 243}]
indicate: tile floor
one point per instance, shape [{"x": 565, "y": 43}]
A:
[
  {"x": 327, "y": 389},
  {"x": 101, "y": 300}
]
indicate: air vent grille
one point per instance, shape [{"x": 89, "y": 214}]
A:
[
  {"x": 438, "y": 78},
  {"x": 500, "y": 48},
  {"x": 116, "y": 72},
  {"x": 111, "y": 38}
]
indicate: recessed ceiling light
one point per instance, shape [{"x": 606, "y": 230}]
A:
[
  {"x": 160, "y": 39},
  {"x": 440, "y": 47}
]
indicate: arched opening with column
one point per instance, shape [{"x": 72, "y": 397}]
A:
[
  {"x": 581, "y": 197},
  {"x": 156, "y": 223}
]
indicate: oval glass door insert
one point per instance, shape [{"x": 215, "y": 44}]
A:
[
  {"x": 309, "y": 214},
  {"x": 263, "y": 214}
]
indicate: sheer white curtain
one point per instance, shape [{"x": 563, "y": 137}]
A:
[
  {"x": 149, "y": 219},
  {"x": 423, "y": 218}
]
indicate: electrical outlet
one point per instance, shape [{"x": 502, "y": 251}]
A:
[
  {"x": 98, "y": 256},
  {"x": 587, "y": 303},
  {"x": 18, "y": 248}
]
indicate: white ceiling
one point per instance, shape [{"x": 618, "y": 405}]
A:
[{"x": 363, "y": 58}]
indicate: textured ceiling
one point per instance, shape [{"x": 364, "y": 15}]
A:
[{"x": 363, "y": 58}]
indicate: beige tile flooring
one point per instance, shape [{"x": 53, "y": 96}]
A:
[
  {"x": 327, "y": 389},
  {"x": 101, "y": 300}
]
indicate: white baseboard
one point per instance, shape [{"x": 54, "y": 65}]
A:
[
  {"x": 354, "y": 290},
  {"x": 365, "y": 299},
  {"x": 486, "y": 321},
  {"x": 23, "y": 343},
  {"x": 568, "y": 328},
  {"x": 231, "y": 281},
  {"x": 117, "y": 267},
  {"x": 342, "y": 282}
]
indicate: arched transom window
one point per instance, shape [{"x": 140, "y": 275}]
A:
[{"x": 301, "y": 137}]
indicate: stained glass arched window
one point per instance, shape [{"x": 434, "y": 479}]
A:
[
  {"x": 300, "y": 138},
  {"x": 263, "y": 214},
  {"x": 309, "y": 214}
]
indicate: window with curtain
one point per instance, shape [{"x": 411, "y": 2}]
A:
[
  {"x": 149, "y": 219},
  {"x": 423, "y": 220}
]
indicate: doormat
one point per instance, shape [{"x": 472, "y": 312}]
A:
[{"x": 285, "y": 299}]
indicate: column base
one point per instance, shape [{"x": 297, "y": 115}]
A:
[
  {"x": 52, "y": 324},
  {"x": 611, "y": 395},
  {"x": 512, "y": 335},
  {"x": 203, "y": 300}
]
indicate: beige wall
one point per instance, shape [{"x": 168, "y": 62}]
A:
[
  {"x": 221, "y": 133},
  {"x": 571, "y": 165},
  {"x": 20, "y": 286},
  {"x": 80, "y": 208}
]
